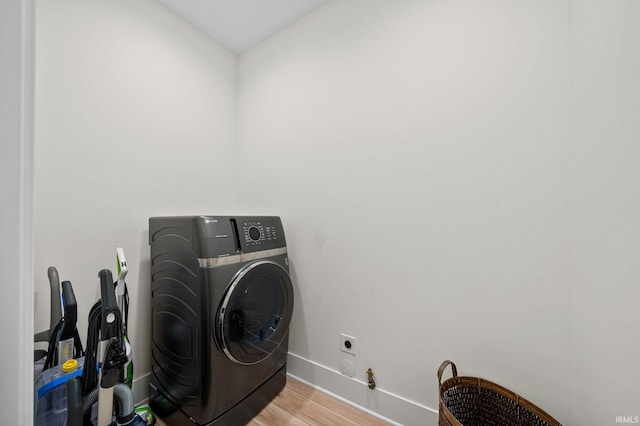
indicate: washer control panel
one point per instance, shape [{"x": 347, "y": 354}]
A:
[{"x": 258, "y": 232}]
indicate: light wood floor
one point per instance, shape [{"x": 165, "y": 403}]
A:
[{"x": 302, "y": 405}]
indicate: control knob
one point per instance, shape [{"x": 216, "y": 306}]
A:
[{"x": 254, "y": 233}]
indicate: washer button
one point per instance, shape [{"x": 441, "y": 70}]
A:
[{"x": 254, "y": 233}]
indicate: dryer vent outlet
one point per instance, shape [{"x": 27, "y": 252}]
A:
[{"x": 348, "y": 344}]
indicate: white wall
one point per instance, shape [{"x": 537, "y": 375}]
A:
[
  {"x": 135, "y": 117},
  {"x": 605, "y": 225},
  {"x": 16, "y": 191},
  {"x": 434, "y": 166},
  {"x": 456, "y": 180}
]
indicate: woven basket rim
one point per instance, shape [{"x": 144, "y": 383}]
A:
[{"x": 455, "y": 381}]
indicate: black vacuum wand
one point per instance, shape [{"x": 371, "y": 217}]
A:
[
  {"x": 112, "y": 355},
  {"x": 68, "y": 331}
]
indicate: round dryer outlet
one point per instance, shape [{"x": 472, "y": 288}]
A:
[{"x": 348, "y": 344}]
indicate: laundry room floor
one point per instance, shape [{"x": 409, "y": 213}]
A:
[{"x": 302, "y": 405}]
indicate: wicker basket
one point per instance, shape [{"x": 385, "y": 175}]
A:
[{"x": 471, "y": 401}]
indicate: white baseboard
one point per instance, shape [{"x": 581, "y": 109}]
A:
[
  {"x": 378, "y": 402},
  {"x": 140, "y": 387}
]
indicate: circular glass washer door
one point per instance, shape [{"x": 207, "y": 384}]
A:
[{"x": 254, "y": 316}]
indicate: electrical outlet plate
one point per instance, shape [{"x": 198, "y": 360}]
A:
[{"x": 347, "y": 344}]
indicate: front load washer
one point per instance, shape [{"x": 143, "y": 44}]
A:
[{"x": 221, "y": 303}]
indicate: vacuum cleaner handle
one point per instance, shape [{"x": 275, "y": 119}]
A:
[
  {"x": 109, "y": 330},
  {"x": 121, "y": 286},
  {"x": 70, "y": 312},
  {"x": 110, "y": 326},
  {"x": 122, "y": 270},
  {"x": 55, "y": 311},
  {"x": 56, "y": 307}
]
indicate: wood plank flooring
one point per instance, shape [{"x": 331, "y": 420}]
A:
[{"x": 302, "y": 405}]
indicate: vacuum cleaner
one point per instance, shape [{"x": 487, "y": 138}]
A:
[
  {"x": 106, "y": 348},
  {"x": 92, "y": 387},
  {"x": 62, "y": 359},
  {"x": 122, "y": 296}
]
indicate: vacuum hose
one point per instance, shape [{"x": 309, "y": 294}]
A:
[
  {"x": 78, "y": 407},
  {"x": 125, "y": 406}
]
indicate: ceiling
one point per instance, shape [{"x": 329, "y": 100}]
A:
[{"x": 238, "y": 25}]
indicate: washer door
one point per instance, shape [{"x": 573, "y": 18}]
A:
[{"x": 255, "y": 313}]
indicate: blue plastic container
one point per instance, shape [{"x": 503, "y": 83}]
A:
[{"x": 50, "y": 400}]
